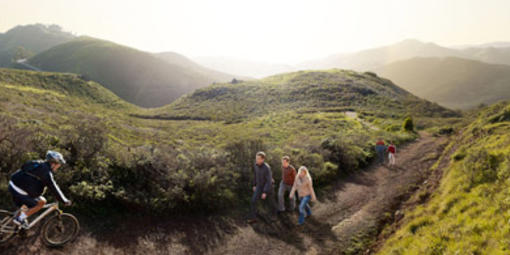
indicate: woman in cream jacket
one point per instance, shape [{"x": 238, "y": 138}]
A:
[{"x": 304, "y": 186}]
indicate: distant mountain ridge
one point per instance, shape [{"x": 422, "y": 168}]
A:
[
  {"x": 139, "y": 77},
  {"x": 453, "y": 82},
  {"x": 371, "y": 59}
]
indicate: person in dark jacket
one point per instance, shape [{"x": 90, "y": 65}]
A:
[
  {"x": 380, "y": 149},
  {"x": 27, "y": 186},
  {"x": 262, "y": 186}
]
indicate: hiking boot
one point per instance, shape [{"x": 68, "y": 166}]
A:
[{"x": 251, "y": 221}]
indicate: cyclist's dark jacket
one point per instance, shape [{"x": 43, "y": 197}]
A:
[{"x": 34, "y": 181}]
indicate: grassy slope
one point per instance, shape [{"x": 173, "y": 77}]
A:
[
  {"x": 138, "y": 77},
  {"x": 469, "y": 213},
  {"x": 165, "y": 164},
  {"x": 452, "y": 82},
  {"x": 333, "y": 90}
]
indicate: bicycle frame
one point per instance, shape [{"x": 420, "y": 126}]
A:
[
  {"x": 49, "y": 209},
  {"x": 52, "y": 207}
]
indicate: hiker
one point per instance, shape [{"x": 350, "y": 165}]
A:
[
  {"x": 304, "y": 186},
  {"x": 262, "y": 186},
  {"x": 380, "y": 148},
  {"x": 392, "y": 149},
  {"x": 288, "y": 176}
]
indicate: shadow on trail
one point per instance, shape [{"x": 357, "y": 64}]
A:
[
  {"x": 285, "y": 228},
  {"x": 197, "y": 234}
]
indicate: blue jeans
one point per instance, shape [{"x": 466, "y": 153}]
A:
[{"x": 304, "y": 206}]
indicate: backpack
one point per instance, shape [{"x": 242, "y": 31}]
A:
[{"x": 29, "y": 166}]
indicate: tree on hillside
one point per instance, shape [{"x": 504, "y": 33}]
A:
[{"x": 408, "y": 124}]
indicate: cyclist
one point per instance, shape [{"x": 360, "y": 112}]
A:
[{"x": 28, "y": 183}]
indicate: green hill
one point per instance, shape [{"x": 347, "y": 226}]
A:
[
  {"x": 333, "y": 90},
  {"x": 452, "y": 82},
  {"x": 138, "y": 77},
  {"x": 121, "y": 163},
  {"x": 469, "y": 212},
  {"x": 25, "y": 41}
]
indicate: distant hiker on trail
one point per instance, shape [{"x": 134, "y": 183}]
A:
[
  {"x": 380, "y": 148},
  {"x": 262, "y": 186},
  {"x": 392, "y": 149},
  {"x": 288, "y": 176},
  {"x": 304, "y": 186}
]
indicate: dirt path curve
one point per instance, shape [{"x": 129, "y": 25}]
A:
[
  {"x": 343, "y": 221},
  {"x": 350, "y": 216}
]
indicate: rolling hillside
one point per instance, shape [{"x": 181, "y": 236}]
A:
[
  {"x": 468, "y": 213},
  {"x": 138, "y": 77},
  {"x": 25, "y": 41},
  {"x": 57, "y": 109},
  {"x": 373, "y": 59},
  {"x": 368, "y": 60},
  {"x": 123, "y": 165},
  {"x": 453, "y": 82},
  {"x": 333, "y": 90}
]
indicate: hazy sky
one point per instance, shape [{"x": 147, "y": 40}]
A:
[{"x": 285, "y": 31}]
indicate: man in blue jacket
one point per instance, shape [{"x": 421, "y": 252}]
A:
[
  {"x": 262, "y": 186},
  {"x": 27, "y": 186}
]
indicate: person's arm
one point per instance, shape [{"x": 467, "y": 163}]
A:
[
  {"x": 293, "y": 190},
  {"x": 55, "y": 189},
  {"x": 269, "y": 180},
  {"x": 254, "y": 183},
  {"x": 312, "y": 191}
]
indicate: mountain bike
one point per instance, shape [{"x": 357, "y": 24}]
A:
[{"x": 58, "y": 229}]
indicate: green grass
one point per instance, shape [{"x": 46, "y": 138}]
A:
[
  {"x": 128, "y": 164},
  {"x": 470, "y": 211}
]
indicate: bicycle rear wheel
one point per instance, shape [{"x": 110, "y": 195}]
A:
[
  {"x": 7, "y": 227},
  {"x": 60, "y": 229}
]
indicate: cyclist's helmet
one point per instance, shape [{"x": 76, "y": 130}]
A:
[{"x": 56, "y": 157}]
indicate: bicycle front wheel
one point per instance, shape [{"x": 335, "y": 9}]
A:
[
  {"x": 7, "y": 227},
  {"x": 60, "y": 229}
]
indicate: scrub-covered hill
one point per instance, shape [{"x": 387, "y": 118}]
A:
[{"x": 328, "y": 91}]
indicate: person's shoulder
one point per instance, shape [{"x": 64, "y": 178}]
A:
[
  {"x": 292, "y": 167},
  {"x": 44, "y": 165},
  {"x": 267, "y": 165}
]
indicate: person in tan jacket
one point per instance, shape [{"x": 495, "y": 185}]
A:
[{"x": 304, "y": 186}]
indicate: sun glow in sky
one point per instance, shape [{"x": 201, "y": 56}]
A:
[{"x": 284, "y": 31}]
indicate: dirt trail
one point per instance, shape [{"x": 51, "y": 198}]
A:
[{"x": 343, "y": 220}]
